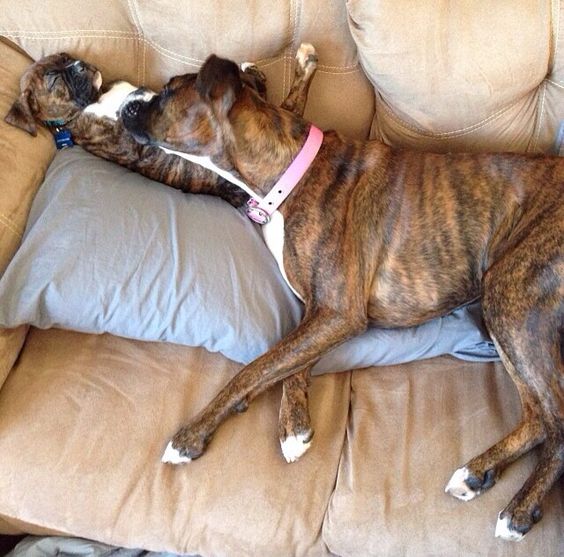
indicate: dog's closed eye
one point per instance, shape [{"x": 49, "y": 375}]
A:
[{"x": 51, "y": 78}]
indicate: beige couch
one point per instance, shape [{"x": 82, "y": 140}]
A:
[{"x": 83, "y": 418}]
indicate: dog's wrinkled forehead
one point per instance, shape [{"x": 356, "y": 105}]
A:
[{"x": 52, "y": 63}]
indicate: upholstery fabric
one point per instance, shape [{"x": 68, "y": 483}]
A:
[
  {"x": 94, "y": 417},
  {"x": 410, "y": 427},
  {"x": 470, "y": 76}
]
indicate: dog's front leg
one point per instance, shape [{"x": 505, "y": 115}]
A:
[{"x": 316, "y": 334}]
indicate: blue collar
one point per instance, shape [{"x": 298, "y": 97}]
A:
[{"x": 56, "y": 123}]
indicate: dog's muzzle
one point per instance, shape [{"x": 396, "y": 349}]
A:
[{"x": 131, "y": 110}]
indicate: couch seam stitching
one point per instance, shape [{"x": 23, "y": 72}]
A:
[
  {"x": 10, "y": 225},
  {"x": 72, "y": 32},
  {"x": 141, "y": 36},
  {"x": 138, "y": 36},
  {"x": 555, "y": 83},
  {"x": 80, "y": 35},
  {"x": 536, "y": 133},
  {"x": 454, "y": 133},
  {"x": 129, "y": 35}
]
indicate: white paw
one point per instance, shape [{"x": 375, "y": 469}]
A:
[
  {"x": 304, "y": 52},
  {"x": 173, "y": 456},
  {"x": 245, "y": 65},
  {"x": 294, "y": 446},
  {"x": 504, "y": 531},
  {"x": 457, "y": 486}
]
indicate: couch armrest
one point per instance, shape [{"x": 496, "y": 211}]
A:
[
  {"x": 23, "y": 158},
  {"x": 23, "y": 162}
]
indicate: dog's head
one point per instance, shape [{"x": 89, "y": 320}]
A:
[
  {"x": 191, "y": 113},
  {"x": 54, "y": 89}
]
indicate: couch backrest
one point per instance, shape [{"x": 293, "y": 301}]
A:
[
  {"x": 448, "y": 75},
  {"x": 148, "y": 41},
  {"x": 479, "y": 75}
]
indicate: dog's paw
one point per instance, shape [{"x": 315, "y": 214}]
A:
[
  {"x": 513, "y": 525},
  {"x": 173, "y": 456},
  {"x": 505, "y": 531},
  {"x": 254, "y": 76},
  {"x": 306, "y": 59},
  {"x": 294, "y": 446},
  {"x": 187, "y": 445},
  {"x": 465, "y": 485}
]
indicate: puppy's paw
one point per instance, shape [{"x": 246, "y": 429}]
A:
[
  {"x": 513, "y": 525},
  {"x": 506, "y": 530},
  {"x": 254, "y": 76}
]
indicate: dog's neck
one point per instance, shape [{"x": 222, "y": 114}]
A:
[{"x": 260, "y": 143}]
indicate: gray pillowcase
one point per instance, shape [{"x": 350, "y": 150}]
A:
[{"x": 108, "y": 251}]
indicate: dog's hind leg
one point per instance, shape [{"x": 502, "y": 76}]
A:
[
  {"x": 546, "y": 424},
  {"x": 524, "y": 310},
  {"x": 481, "y": 473}
]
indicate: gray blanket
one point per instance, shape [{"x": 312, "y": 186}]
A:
[{"x": 33, "y": 546}]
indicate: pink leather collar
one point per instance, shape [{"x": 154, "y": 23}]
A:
[{"x": 260, "y": 210}]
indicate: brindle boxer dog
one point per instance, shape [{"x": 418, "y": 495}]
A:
[
  {"x": 372, "y": 234},
  {"x": 60, "y": 91}
]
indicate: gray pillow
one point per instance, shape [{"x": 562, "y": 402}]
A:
[{"x": 107, "y": 250}]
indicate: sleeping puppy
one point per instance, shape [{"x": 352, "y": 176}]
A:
[
  {"x": 64, "y": 93},
  {"x": 67, "y": 96}
]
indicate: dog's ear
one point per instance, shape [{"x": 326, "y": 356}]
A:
[
  {"x": 219, "y": 81},
  {"x": 21, "y": 113}
]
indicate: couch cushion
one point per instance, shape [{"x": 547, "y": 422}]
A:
[
  {"x": 410, "y": 427},
  {"x": 147, "y": 43},
  {"x": 83, "y": 423},
  {"x": 476, "y": 75}
]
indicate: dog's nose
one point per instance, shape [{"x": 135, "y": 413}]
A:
[
  {"x": 77, "y": 66},
  {"x": 131, "y": 109}
]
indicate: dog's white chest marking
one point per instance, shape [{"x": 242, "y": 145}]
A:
[
  {"x": 273, "y": 232},
  {"x": 110, "y": 102}
]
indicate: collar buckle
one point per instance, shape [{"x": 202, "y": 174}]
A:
[
  {"x": 261, "y": 210},
  {"x": 255, "y": 213}
]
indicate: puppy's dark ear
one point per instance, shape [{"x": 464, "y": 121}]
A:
[
  {"x": 21, "y": 113},
  {"x": 219, "y": 81}
]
